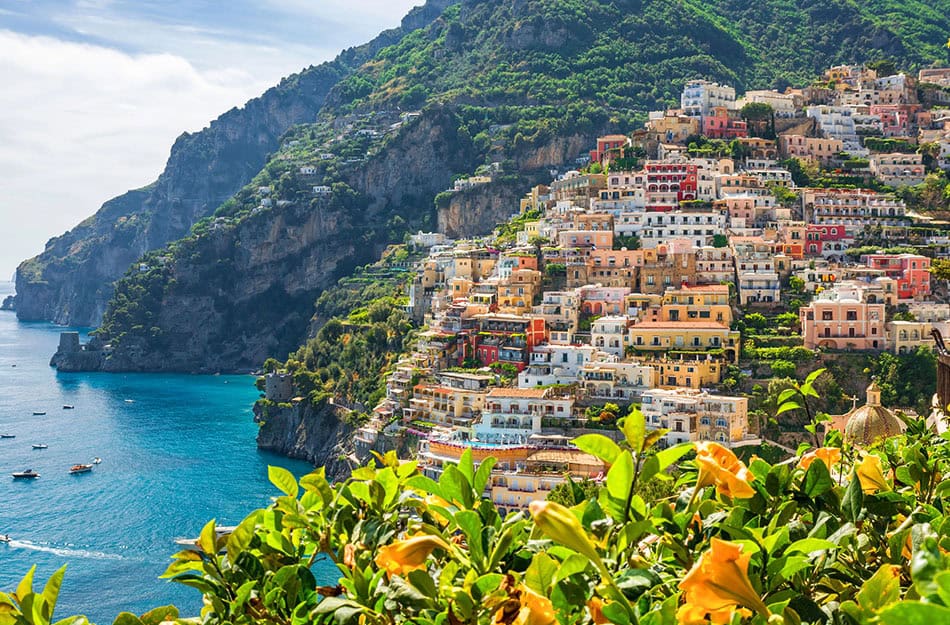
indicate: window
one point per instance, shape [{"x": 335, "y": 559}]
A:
[
  {"x": 852, "y": 315},
  {"x": 826, "y": 315}
]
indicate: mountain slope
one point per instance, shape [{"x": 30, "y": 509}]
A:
[
  {"x": 526, "y": 84},
  {"x": 72, "y": 280}
]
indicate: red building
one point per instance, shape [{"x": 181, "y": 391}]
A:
[
  {"x": 826, "y": 240},
  {"x": 508, "y": 338},
  {"x": 724, "y": 124},
  {"x": 668, "y": 184},
  {"x": 610, "y": 145},
  {"x": 911, "y": 271}
]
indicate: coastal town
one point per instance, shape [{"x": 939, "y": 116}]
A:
[{"x": 632, "y": 281}]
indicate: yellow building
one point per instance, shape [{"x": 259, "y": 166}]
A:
[
  {"x": 444, "y": 405},
  {"x": 697, "y": 303},
  {"x": 516, "y": 294},
  {"x": 673, "y": 373},
  {"x": 685, "y": 336}
]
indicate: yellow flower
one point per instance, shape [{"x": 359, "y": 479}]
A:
[
  {"x": 829, "y": 455},
  {"x": 719, "y": 466},
  {"x": 596, "y": 607},
  {"x": 403, "y": 556},
  {"x": 561, "y": 526},
  {"x": 871, "y": 474},
  {"x": 717, "y": 585},
  {"x": 532, "y": 609}
]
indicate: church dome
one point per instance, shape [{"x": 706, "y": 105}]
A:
[{"x": 872, "y": 421}]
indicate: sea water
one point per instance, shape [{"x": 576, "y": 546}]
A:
[{"x": 177, "y": 451}]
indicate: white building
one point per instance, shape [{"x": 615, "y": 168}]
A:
[
  {"x": 511, "y": 415},
  {"x": 699, "y": 97},
  {"x": 427, "y": 239},
  {"x": 617, "y": 381},
  {"x": 693, "y": 415},
  {"x": 558, "y": 364},
  {"x": 837, "y": 122},
  {"x": 610, "y": 334},
  {"x": 698, "y": 228}
]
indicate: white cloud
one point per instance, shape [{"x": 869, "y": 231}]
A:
[{"x": 83, "y": 123}]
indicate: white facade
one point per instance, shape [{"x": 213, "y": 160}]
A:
[
  {"x": 692, "y": 415},
  {"x": 699, "y": 97},
  {"x": 558, "y": 364},
  {"x": 617, "y": 381},
  {"x": 609, "y": 334},
  {"x": 698, "y": 228}
]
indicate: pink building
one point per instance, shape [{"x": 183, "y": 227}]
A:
[
  {"x": 842, "y": 318},
  {"x": 826, "y": 240},
  {"x": 722, "y": 123},
  {"x": 911, "y": 271}
]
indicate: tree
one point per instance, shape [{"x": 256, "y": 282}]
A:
[
  {"x": 756, "y": 320},
  {"x": 782, "y": 368},
  {"x": 756, "y": 111},
  {"x": 720, "y": 240}
]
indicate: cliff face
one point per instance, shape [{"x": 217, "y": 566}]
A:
[
  {"x": 229, "y": 298},
  {"x": 316, "y": 435},
  {"x": 71, "y": 281}
]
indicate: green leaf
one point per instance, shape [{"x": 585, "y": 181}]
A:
[
  {"x": 467, "y": 465},
  {"x": 207, "y": 538},
  {"x": 487, "y": 584},
  {"x": 471, "y": 525},
  {"x": 25, "y": 587},
  {"x": 422, "y": 581},
  {"x": 914, "y": 613},
  {"x": 787, "y": 407},
  {"x": 619, "y": 483},
  {"x": 541, "y": 573},
  {"x": 786, "y": 395},
  {"x": 810, "y": 545},
  {"x": 483, "y": 474},
  {"x": 667, "y": 457},
  {"x": 634, "y": 428},
  {"x": 51, "y": 590},
  {"x": 598, "y": 446},
  {"x": 882, "y": 589},
  {"x": 241, "y": 537},
  {"x": 616, "y": 613},
  {"x": 284, "y": 480},
  {"x": 853, "y": 500},
  {"x": 158, "y": 615},
  {"x": 634, "y": 582},
  {"x": 127, "y": 618},
  {"x": 814, "y": 375},
  {"x": 574, "y": 564},
  {"x": 817, "y": 480}
]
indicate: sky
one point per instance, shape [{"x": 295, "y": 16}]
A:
[{"x": 94, "y": 92}]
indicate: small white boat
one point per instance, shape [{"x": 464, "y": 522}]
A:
[
  {"x": 219, "y": 531},
  {"x": 130, "y": 401},
  {"x": 40, "y": 446},
  {"x": 5, "y": 538},
  {"x": 80, "y": 468},
  {"x": 68, "y": 406},
  {"x": 97, "y": 460},
  {"x": 7, "y": 435},
  {"x": 38, "y": 413},
  {"x": 29, "y": 474}
]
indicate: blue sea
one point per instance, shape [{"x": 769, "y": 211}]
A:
[{"x": 177, "y": 450}]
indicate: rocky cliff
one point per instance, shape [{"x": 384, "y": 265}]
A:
[
  {"x": 71, "y": 281},
  {"x": 317, "y": 435},
  {"x": 243, "y": 289}
]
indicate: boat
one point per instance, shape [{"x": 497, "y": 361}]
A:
[
  {"x": 29, "y": 474},
  {"x": 40, "y": 446},
  {"x": 7, "y": 435},
  {"x": 38, "y": 413},
  {"x": 130, "y": 401},
  {"x": 5, "y": 538},
  {"x": 97, "y": 460},
  {"x": 80, "y": 468},
  {"x": 68, "y": 406}
]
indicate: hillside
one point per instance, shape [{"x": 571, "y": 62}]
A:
[
  {"x": 524, "y": 84},
  {"x": 71, "y": 281}
]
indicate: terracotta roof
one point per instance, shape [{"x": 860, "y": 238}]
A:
[{"x": 536, "y": 393}]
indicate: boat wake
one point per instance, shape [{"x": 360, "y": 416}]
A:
[{"x": 64, "y": 552}]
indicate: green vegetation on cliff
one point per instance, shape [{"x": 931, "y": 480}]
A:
[{"x": 522, "y": 86}]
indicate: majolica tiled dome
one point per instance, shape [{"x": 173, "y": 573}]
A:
[{"x": 872, "y": 421}]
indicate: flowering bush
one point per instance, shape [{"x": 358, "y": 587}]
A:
[{"x": 836, "y": 535}]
